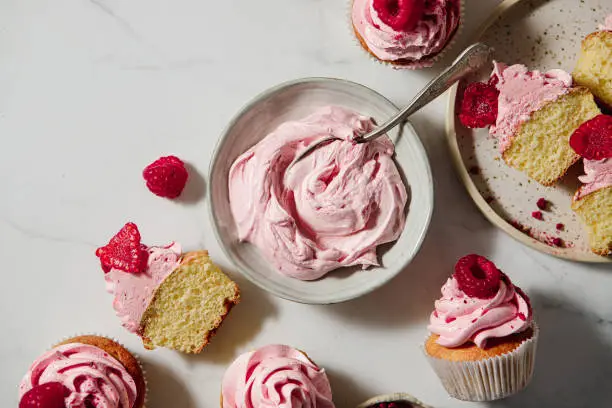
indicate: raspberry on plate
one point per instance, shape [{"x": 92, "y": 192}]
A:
[
  {"x": 477, "y": 276},
  {"x": 124, "y": 251},
  {"x": 479, "y": 105},
  {"x": 166, "y": 176},
  {"x": 593, "y": 139},
  {"x": 400, "y": 15}
]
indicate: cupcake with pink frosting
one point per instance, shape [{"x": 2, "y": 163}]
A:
[
  {"x": 483, "y": 337},
  {"x": 275, "y": 376},
  {"x": 408, "y": 34},
  {"x": 84, "y": 372}
]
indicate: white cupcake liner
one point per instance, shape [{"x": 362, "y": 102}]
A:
[
  {"x": 490, "y": 379},
  {"x": 144, "y": 373},
  {"x": 428, "y": 62},
  {"x": 398, "y": 396}
]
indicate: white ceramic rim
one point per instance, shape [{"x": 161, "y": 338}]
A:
[
  {"x": 483, "y": 206},
  {"x": 243, "y": 270}
]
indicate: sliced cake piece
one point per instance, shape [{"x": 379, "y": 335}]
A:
[
  {"x": 167, "y": 298},
  {"x": 593, "y": 200},
  {"x": 595, "y": 211},
  {"x": 594, "y": 67},
  {"x": 189, "y": 305},
  {"x": 537, "y": 114}
]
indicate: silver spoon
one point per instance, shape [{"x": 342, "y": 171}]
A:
[{"x": 470, "y": 60}]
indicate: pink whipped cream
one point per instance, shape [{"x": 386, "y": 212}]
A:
[
  {"x": 521, "y": 93},
  {"x": 133, "y": 291},
  {"x": 459, "y": 318},
  {"x": 94, "y": 378},
  {"x": 331, "y": 209},
  {"x": 598, "y": 175},
  {"x": 607, "y": 25},
  {"x": 438, "y": 24},
  {"x": 275, "y": 376}
]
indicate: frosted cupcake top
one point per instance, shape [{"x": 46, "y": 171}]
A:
[
  {"x": 478, "y": 303},
  {"x": 83, "y": 375},
  {"x": 393, "y": 35},
  {"x": 275, "y": 376}
]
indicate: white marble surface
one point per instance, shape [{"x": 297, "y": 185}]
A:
[{"x": 93, "y": 90}]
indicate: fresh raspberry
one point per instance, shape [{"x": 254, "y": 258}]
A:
[
  {"x": 542, "y": 204},
  {"x": 400, "y": 15},
  {"x": 537, "y": 215},
  {"x": 476, "y": 276},
  {"x": 166, "y": 176},
  {"x": 124, "y": 251},
  {"x": 593, "y": 139},
  {"x": 479, "y": 105},
  {"x": 48, "y": 395}
]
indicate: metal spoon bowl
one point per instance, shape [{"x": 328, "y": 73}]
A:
[{"x": 472, "y": 59}]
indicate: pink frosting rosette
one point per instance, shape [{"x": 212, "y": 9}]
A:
[
  {"x": 90, "y": 376},
  {"x": 275, "y": 376}
]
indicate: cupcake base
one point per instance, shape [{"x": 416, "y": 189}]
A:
[
  {"x": 121, "y": 354},
  {"x": 472, "y": 375}
]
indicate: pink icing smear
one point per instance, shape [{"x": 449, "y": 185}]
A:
[
  {"x": 275, "y": 376},
  {"x": 459, "y": 318},
  {"x": 521, "y": 93},
  {"x": 607, "y": 25},
  {"x": 95, "y": 379},
  {"x": 133, "y": 292},
  {"x": 331, "y": 209},
  {"x": 438, "y": 24},
  {"x": 598, "y": 175}
]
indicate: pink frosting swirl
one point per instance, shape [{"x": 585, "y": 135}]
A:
[
  {"x": 459, "y": 318},
  {"x": 522, "y": 92},
  {"x": 438, "y": 24},
  {"x": 275, "y": 376},
  {"x": 331, "y": 209},
  {"x": 95, "y": 379},
  {"x": 133, "y": 291},
  {"x": 598, "y": 175}
]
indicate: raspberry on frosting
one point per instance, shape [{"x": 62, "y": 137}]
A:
[
  {"x": 479, "y": 105},
  {"x": 48, "y": 395},
  {"x": 477, "y": 276},
  {"x": 401, "y": 15},
  {"x": 124, "y": 251},
  {"x": 593, "y": 139}
]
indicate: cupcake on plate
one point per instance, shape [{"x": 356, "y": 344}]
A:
[
  {"x": 275, "y": 376},
  {"x": 168, "y": 298},
  {"x": 408, "y": 34},
  {"x": 483, "y": 337},
  {"x": 84, "y": 371}
]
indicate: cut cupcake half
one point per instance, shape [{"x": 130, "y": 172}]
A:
[{"x": 594, "y": 67}]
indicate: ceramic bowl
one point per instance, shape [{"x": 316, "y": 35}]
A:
[
  {"x": 396, "y": 397},
  {"x": 295, "y": 100}
]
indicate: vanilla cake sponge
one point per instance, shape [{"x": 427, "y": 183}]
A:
[
  {"x": 189, "y": 305},
  {"x": 594, "y": 67},
  {"x": 595, "y": 210},
  {"x": 540, "y": 146}
]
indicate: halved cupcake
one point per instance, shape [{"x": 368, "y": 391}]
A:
[
  {"x": 168, "y": 298},
  {"x": 593, "y": 200},
  {"x": 532, "y": 114},
  {"x": 593, "y": 69}
]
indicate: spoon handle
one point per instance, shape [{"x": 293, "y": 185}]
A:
[{"x": 473, "y": 58}]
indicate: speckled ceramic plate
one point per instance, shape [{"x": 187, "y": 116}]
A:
[
  {"x": 397, "y": 397},
  {"x": 295, "y": 100},
  {"x": 542, "y": 34}
]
